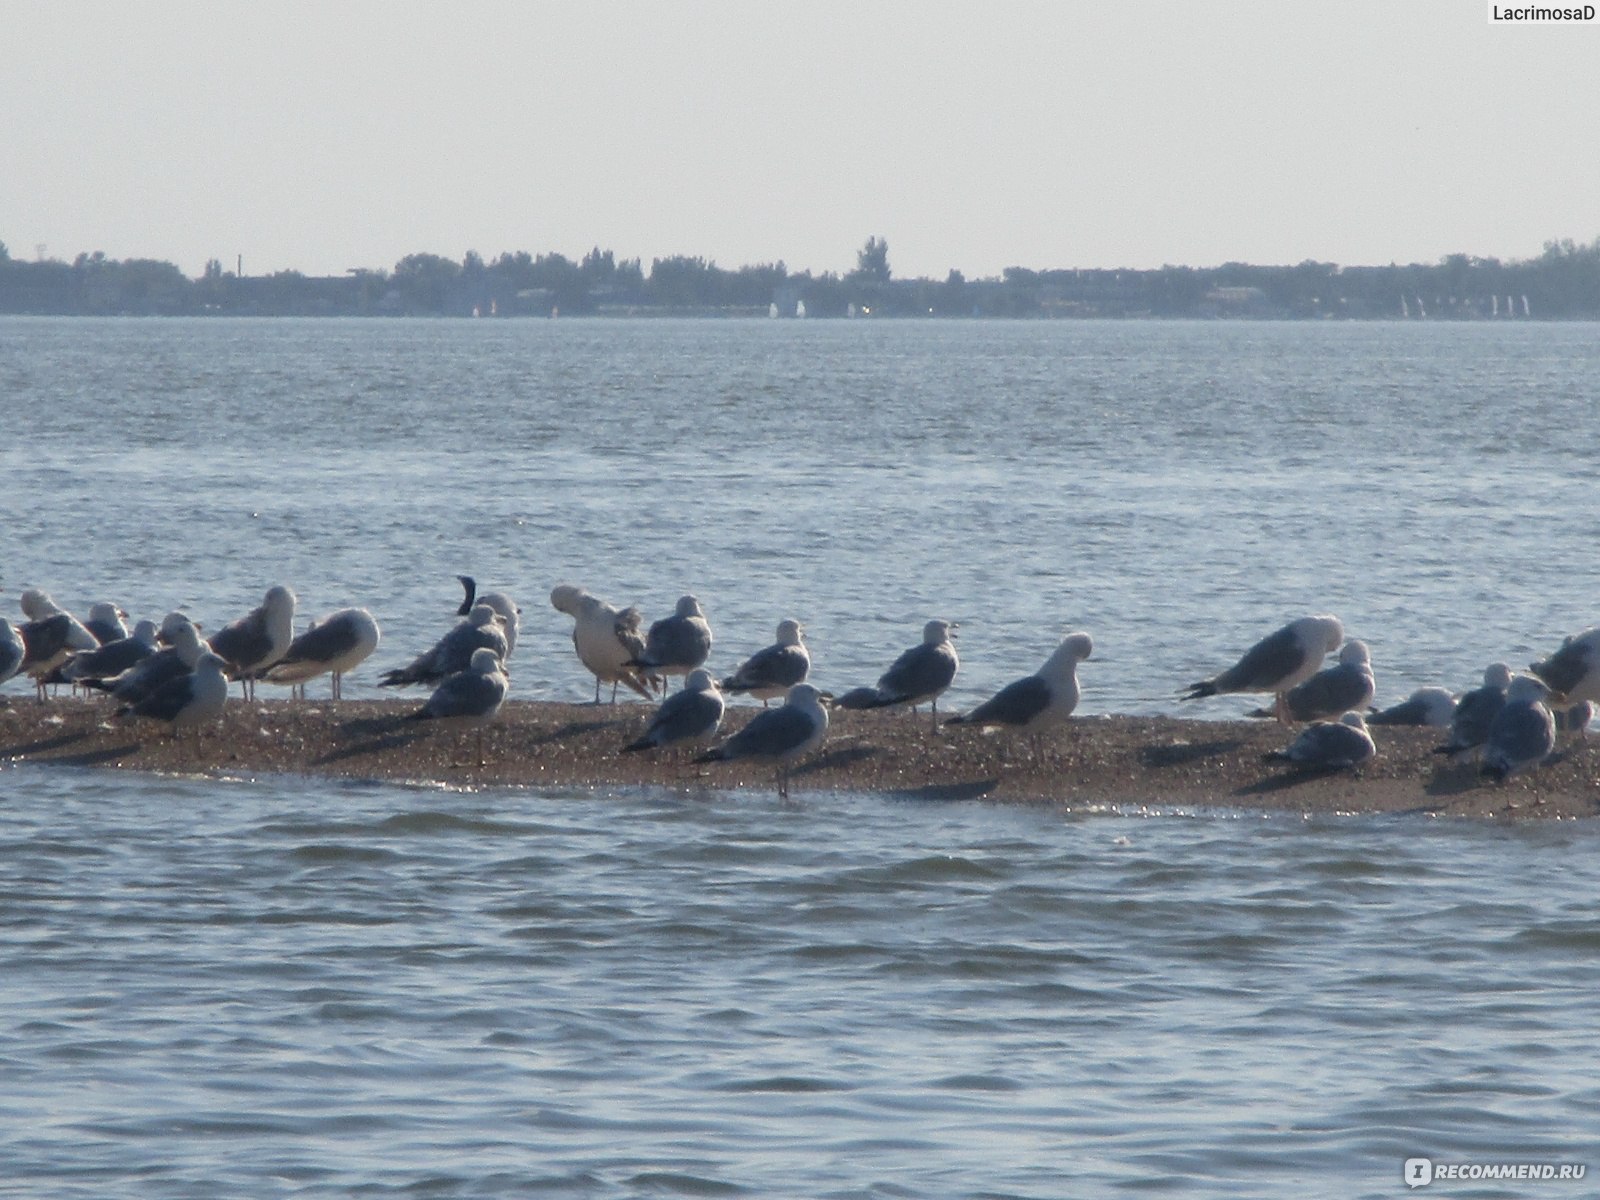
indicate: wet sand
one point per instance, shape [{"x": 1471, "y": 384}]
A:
[{"x": 1097, "y": 760}]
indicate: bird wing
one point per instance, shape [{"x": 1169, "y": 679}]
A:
[{"x": 1015, "y": 704}]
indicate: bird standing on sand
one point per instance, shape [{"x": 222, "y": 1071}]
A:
[
  {"x": 481, "y": 630},
  {"x": 1347, "y": 686},
  {"x": 1036, "y": 703},
  {"x": 771, "y": 672},
  {"x": 1330, "y": 745},
  {"x": 1572, "y": 673},
  {"x": 468, "y": 699},
  {"x": 258, "y": 639},
  {"x": 1277, "y": 662},
  {"x": 188, "y": 701},
  {"x": 778, "y": 735},
  {"x": 605, "y": 637},
  {"x": 1475, "y": 712},
  {"x": 12, "y": 650},
  {"x": 922, "y": 673},
  {"x": 690, "y": 716},
  {"x": 677, "y": 644},
  {"x": 339, "y": 642},
  {"x": 109, "y": 660},
  {"x": 1523, "y": 732}
]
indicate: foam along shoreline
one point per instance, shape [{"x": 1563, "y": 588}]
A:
[{"x": 1112, "y": 760}]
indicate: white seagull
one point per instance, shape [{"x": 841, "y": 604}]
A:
[
  {"x": 677, "y": 644},
  {"x": 258, "y": 639},
  {"x": 339, "y": 642},
  {"x": 1347, "y": 686},
  {"x": 1277, "y": 662},
  {"x": 771, "y": 672},
  {"x": 1522, "y": 734},
  {"x": 778, "y": 735},
  {"x": 922, "y": 673},
  {"x": 688, "y": 717},
  {"x": 1038, "y": 702},
  {"x": 468, "y": 699},
  {"x": 1330, "y": 745},
  {"x": 605, "y": 637}
]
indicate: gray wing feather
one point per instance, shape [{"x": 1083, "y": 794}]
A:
[
  {"x": 1015, "y": 704},
  {"x": 770, "y": 733},
  {"x": 1272, "y": 659},
  {"x": 920, "y": 671}
]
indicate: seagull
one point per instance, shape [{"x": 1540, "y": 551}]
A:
[
  {"x": 37, "y": 605},
  {"x": 677, "y": 644},
  {"x": 606, "y": 638},
  {"x": 922, "y": 673},
  {"x": 1425, "y": 706},
  {"x": 106, "y": 623},
  {"x": 453, "y": 653},
  {"x": 691, "y": 716},
  {"x": 1330, "y": 745},
  {"x": 1277, "y": 662},
  {"x": 109, "y": 660},
  {"x": 1347, "y": 686},
  {"x": 510, "y": 614},
  {"x": 12, "y": 650},
  {"x": 1475, "y": 712},
  {"x": 770, "y": 673},
  {"x": 47, "y": 642},
  {"x": 468, "y": 699},
  {"x": 1522, "y": 734},
  {"x": 172, "y": 662},
  {"x": 1036, "y": 702},
  {"x": 257, "y": 640},
  {"x": 1572, "y": 673},
  {"x": 188, "y": 701},
  {"x": 778, "y": 735},
  {"x": 1576, "y": 719},
  {"x": 339, "y": 642}
]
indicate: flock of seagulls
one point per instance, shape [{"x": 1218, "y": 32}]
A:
[{"x": 169, "y": 673}]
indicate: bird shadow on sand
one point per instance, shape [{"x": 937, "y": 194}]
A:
[
  {"x": 838, "y": 759},
  {"x": 572, "y": 729},
  {"x": 379, "y": 745},
  {"x": 947, "y": 793},
  {"x": 43, "y": 745},
  {"x": 1291, "y": 779},
  {"x": 1185, "y": 753}
]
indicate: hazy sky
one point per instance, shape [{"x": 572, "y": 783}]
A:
[{"x": 333, "y": 134}]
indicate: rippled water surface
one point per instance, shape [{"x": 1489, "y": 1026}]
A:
[
  {"x": 269, "y": 987},
  {"x": 255, "y": 988}
]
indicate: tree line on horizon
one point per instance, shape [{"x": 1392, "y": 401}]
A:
[{"x": 1561, "y": 283}]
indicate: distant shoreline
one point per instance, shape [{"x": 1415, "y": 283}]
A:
[{"x": 1116, "y": 761}]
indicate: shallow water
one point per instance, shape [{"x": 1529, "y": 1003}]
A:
[
  {"x": 272, "y": 988},
  {"x": 269, "y": 987}
]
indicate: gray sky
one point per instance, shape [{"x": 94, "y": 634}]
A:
[{"x": 332, "y": 134}]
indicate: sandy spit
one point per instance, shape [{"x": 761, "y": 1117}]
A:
[{"x": 1098, "y": 760}]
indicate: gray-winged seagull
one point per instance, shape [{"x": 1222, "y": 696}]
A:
[
  {"x": 1347, "y": 686},
  {"x": 12, "y": 650},
  {"x": 258, "y": 639},
  {"x": 677, "y": 644},
  {"x": 1277, "y": 662},
  {"x": 772, "y": 671},
  {"x": 190, "y": 700},
  {"x": 778, "y": 735},
  {"x": 688, "y": 717},
  {"x": 1523, "y": 732},
  {"x": 1038, "y": 702},
  {"x": 1431, "y": 705},
  {"x": 922, "y": 673},
  {"x": 481, "y": 630},
  {"x": 1475, "y": 712},
  {"x": 1330, "y": 745},
  {"x": 468, "y": 699},
  {"x": 339, "y": 642}
]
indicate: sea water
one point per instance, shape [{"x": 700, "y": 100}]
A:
[{"x": 268, "y": 987}]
